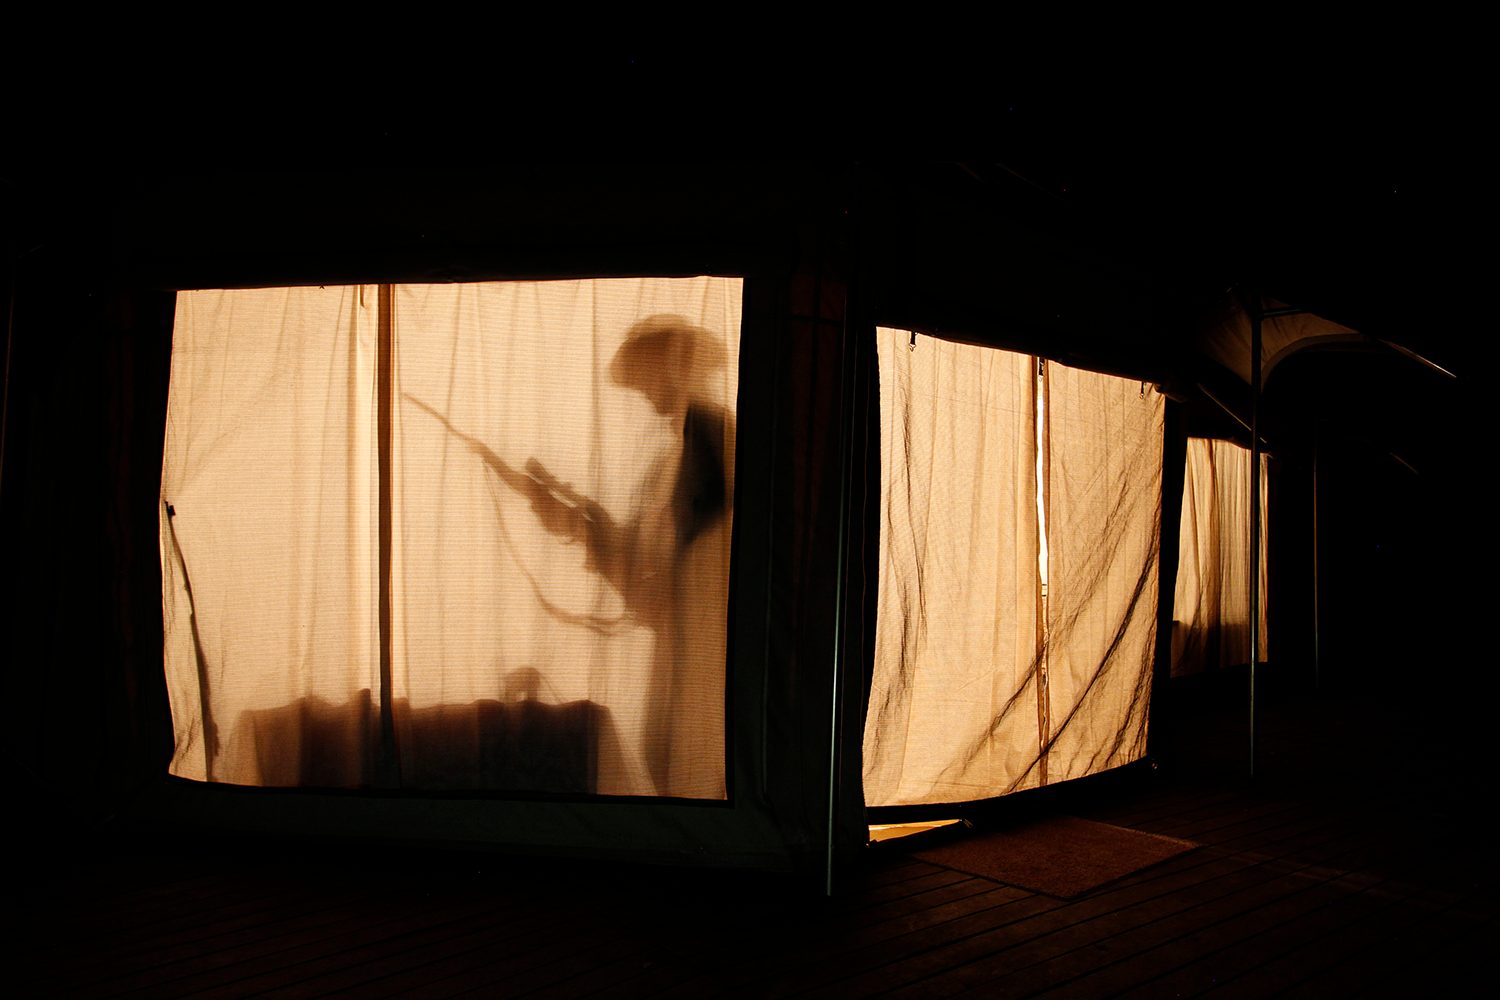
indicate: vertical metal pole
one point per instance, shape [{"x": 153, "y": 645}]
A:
[
  {"x": 10, "y": 319},
  {"x": 1317, "y": 652},
  {"x": 765, "y": 681},
  {"x": 840, "y": 620},
  {"x": 853, "y": 329},
  {"x": 1254, "y": 305},
  {"x": 1173, "y": 476},
  {"x": 388, "y": 767}
]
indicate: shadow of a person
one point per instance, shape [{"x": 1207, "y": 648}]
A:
[{"x": 672, "y": 578}]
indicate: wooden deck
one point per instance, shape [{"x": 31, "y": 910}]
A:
[{"x": 1350, "y": 867}]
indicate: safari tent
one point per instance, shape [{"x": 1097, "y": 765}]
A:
[{"x": 308, "y": 480}]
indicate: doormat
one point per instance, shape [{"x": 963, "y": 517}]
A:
[{"x": 1061, "y": 857}]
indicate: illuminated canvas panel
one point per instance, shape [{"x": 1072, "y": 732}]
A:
[
  {"x": 1018, "y": 572},
  {"x": 464, "y": 536},
  {"x": 1211, "y": 610}
]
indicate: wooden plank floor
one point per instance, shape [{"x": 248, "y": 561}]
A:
[{"x": 1348, "y": 867}]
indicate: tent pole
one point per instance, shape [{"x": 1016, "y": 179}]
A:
[
  {"x": 10, "y": 319},
  {"x": 1173, "y": 474},
  {"x": 840, "y": 590},
  {"x": 1317, "y": 652},
  {"x": 1042, "y": 412},
  {"x": 847, "y": 368},
  {"x": 389, "y": 767},
  {"x": 1254, "y": 305}
]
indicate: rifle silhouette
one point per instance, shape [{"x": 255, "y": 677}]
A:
[
  {"x": 590, "y": 523},
  {"x": 535, "y": 483}
]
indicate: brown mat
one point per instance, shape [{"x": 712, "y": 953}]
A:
[{"x": 1062, "y": 856}]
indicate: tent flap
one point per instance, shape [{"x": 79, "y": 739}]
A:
[{"x": 1016, "y": 623}]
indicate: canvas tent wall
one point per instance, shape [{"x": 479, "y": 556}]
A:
[
  {"x": 1241, "y": 342},
  {"x": 778, "y": 698},
  {"x": 1211, "y": 606},
  {"x": 85, "y": 441},
  {"x": 1020, "y": 538}
]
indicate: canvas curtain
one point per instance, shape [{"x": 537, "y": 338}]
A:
[
  {"x": 1103, "y": 518},
  {"x": 1211, "y": 607},
  {"x": 984, "y": 683},
  {"x": 469, "y": 536}
]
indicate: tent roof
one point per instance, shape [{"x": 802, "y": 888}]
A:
[{"x": 1107, "y": 232}]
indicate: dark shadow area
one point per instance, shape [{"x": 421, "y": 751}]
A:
[
  {"x": 1023, "y": 806},
  {"x": 525, "y": 746},
  {"x": 1214, "y": 698},
  {"x": 487, "y": 745},
  {"x": 1208, "y": 645},
  {"x": 1319, "y": 874}
]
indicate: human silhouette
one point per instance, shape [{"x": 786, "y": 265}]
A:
[
  {"x": 653, "y": 558},
  {"x": 668, "y": 559}
]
